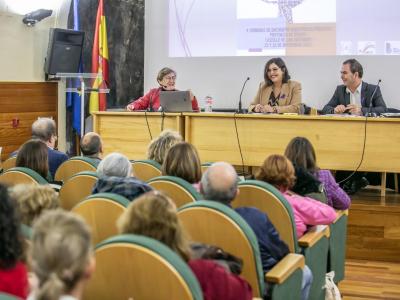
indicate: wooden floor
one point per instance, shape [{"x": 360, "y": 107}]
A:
[
  {"x": 371, "y": 280},
  {"x": 373, "y": 231}
]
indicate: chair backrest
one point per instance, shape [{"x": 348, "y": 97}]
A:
[
  {"x": 5, "y": 296},
  {"x": 76, "y": 188},
  {"x": 205, "y": 166},
  {"x": 269, "y": 200},
  {"x": 137, "y": 267},
  {"x": 9, "y": 163},
  {"x": 178, "y": 189},
  {"x": 73, "y": 166},
  {"x": 20, "y": 175},
  {"x": 216, "y": 224},
  {"x": 146, "y": 169},
  {"x": 101, "y": 212}
]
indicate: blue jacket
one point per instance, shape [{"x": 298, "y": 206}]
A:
[
  {"x": 272, "y": 248},
  {"x": 56, "y": 158}
]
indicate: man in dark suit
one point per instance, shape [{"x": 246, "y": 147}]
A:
[
  {"x": 45, "y": 130},
  {"x": 92, "y": 146},
  {"x": 354, "y": 95}
]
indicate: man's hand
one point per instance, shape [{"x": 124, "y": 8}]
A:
[
  {"x": 339, "y": 109},
  {"x": 354, "y": 109}
]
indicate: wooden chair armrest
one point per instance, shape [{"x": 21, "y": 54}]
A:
[
  {"x": 313, "y": 235},
  {"x": 285, "y": 267},
  {"x": 341, "y": 213}
]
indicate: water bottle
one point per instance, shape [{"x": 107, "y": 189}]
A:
[{"x": 208, "y": 104}]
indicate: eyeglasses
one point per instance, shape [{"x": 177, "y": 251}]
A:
[{"x": 170, "y": 78}]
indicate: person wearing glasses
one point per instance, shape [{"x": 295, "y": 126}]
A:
[
  {"x": 277, "y": 93},
  {"x": 166, "y": 79}
]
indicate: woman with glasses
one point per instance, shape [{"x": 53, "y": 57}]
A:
[
  {"x": 166, "y": 79},
  {"x": 277, "y": 94}
]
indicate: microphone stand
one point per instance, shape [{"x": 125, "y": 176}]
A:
[
  {"x": 240, "y": 110},
  {"x": 369, "y": 114}
]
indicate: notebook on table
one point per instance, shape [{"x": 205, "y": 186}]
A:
[{"x": 175, "y": 101}]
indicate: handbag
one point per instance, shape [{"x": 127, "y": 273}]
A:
[{"x": 331, "y": 290}]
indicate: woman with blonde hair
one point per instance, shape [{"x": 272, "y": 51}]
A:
[
  {"x": 182, "y": 160},
  {"x": 32, "y": 200},
  {"x": 278, "y": 171},
  {"x": 154, "y": 215},
  {"x": 159, "y": 146},
  {"x": 62, "y": 257}
]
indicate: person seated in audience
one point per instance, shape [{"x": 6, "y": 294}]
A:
[
  {"x": 92, "y": 146},
  {"x": 278, "y": 171},
  {"x": 34, "y": 155},
  {"x": 32, "y": 200},
  {"x": 154, "y": 215},
  {"x": 13, "y": 272},
  {"x": 45, "y": 130},
  {"x": 116, "y": 176},
  {"x": 182, "y": 160},
  {"x": 159, "y": 146},
  {"x": 62, "y": 256},
  {"x": 220, "y": 183},
  {"x": 301, "y": 153},
  {"x": 278, "y": 93},
  {"x": 166, "y": 80}
]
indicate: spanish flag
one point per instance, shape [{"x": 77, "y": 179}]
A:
[{"x": 98, "y": 101}]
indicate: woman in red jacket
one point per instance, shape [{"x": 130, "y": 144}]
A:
[
  {"x": 13, "y": 272},
  {"x": 154, "y": 215},
  {"x": 166, "y": 78}
]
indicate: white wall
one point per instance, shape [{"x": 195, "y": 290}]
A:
[
  {"x": 223, "y": 77},
  {"x": 23, "y": 50}
]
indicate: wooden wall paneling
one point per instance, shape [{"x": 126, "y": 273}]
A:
[{"x": 21, "y": 103}]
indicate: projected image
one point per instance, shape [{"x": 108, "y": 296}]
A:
[{"x": 206, "y": 28}]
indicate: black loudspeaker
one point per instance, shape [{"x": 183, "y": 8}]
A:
[{"x": 64, "y": 51}]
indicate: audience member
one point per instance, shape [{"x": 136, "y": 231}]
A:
[
  {"x": 45, "y": 130},
  {"x": 33, "y": 154},
  {"x": 32, "y": 200},
  {"x": 116, "y": 176},
  {"x": 301, "y": 153},
  {"x": 154, "y": 215},
  {"x": 92, "y": 146},
  {"x": 13, "y": 272},
  {"x": 220, "y": 183},
  {"x": 62, "y": 258},
  {"x": 159, "y": 146},
  {"x": 278, "y": 171},
  {"x": 182, "y": 160}
]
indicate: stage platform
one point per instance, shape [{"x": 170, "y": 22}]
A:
[{"x": 374, "y": 226}]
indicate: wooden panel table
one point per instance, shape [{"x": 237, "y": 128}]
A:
[
  {"x": 338, "y": 141},
  {"x": 128, "y": 133}
]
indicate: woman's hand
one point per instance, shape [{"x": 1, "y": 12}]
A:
[{"x": 268, "y": 109}]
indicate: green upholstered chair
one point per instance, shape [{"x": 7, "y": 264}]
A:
[
  {"x": 337, "y": 245},
  {"x": 137, "y": 267},
  {"x": 5, "y": 296},
  {"x": 313, "y": 245},
  {"x": 178, "y": 189},
  {"x": 76, "y": 188},
  {"x": 101, "y": 212},
  {"x": 9, "y": 163},
  {"x": 213, "y": 223},
  {"x": 22, "y": 175},
  {"x": 146, "y": 169},
  {"x": 73, "y": 166},
  {"x": 205, "y": 166}
]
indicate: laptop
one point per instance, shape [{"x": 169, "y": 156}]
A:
[{"x": 175, "y": 101}]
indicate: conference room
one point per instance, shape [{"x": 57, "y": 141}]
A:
[{"x": 102, "y": 83}]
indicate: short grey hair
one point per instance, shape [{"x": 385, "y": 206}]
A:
[
  {"x": 215, "y": 193},
  {"x": 43, "y": 129},
  {"x": 115, "y": 164}
]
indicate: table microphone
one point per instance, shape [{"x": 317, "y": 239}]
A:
[
  {"x": 150, "y": 109},
  {"x": 369, "y": 114},
  {"x": 240, "y": 110}
]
